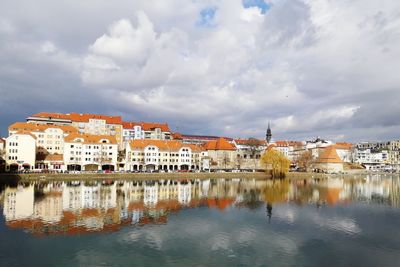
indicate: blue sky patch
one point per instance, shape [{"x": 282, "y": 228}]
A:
[
  {"x": 207, "y": 16},
  {"x": 258, "y": 3}
]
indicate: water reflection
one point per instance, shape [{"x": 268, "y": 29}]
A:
[{"x": 84, "y": 207}]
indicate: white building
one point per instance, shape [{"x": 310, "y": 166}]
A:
[
  {"x": 167, "y": 155},
  {"x": 20, "y": 152},
  {"x": 90, "y": 152},
  {"x": 93, "y": 124},
  {"x": 49, "y": 138},
  {"x": 372, "y": 160}
]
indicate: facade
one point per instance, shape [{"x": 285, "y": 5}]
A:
[
  {"x": 372, "y": 160},
  {"x": 20, "y": 152},
  {"x": 199, "y": 139},
  {"x": 345, "y": 151},
  {"x": 90, "y": 152},
  {"x": 166, "y": 155},
  {"x": 222, "y": 155},
  {"x": 145, "y": 130},
  {"x": 93, "y": 124},
  {"x": 49, "y": 138},
  {"x": 329, "y": 161},
  {"x": 248, "y": 153}
]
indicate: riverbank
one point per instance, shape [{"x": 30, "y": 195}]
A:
[{"x": 169, "y": 176}]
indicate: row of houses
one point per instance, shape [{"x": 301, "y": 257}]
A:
[{"x": 90, "y": 142}]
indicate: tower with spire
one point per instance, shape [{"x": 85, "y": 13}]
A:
[{"x": 268, "y": 136}]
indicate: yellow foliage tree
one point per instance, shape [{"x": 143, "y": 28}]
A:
[{"x": 276, "y": 162}]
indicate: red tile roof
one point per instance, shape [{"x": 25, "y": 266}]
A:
[
  {"x": 220, "y": 144},
  {"x": 177, "y": 136},
  {"x": 49, "y": 157},
  {"x": 36, "y": 127},
  {"x": 79, "y": 117},
  {"x": 346, "y": 146},
  {"x": 147, "y": 126},
  {"x": 91, "y": 139},
  {"x": 329, "y": 155},
  {"x": 163, "y": 145}
]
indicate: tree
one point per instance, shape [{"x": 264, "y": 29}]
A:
[
  {"x": 253, "y": 146},
  {"x": 239, "y": 161},
  {"x": 305, "y": 160},
  {"x": 277, "y": 162},
  {"x": 225, "y": 159}
]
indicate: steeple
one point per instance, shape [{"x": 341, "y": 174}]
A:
[{"x": 269, "y": 133}]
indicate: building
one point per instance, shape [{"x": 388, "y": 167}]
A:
[
  {"x": 329, "y": 161},
  {"x": 249, "y": 152},
  {"x": 166, "y": 155},
  {"x": 145, "y": 130},
  {"x": 93, "y": 124},
  {"x": 199, "y": 139},
  {"x": 345, "y": 151},
  {"x": 222, "y": 154},
  {"x": 372, "y": 159},
  {"x": 49, "y": 138},
  {"x": 90, "y": 152},
  {"x": 20, "y": 152}
]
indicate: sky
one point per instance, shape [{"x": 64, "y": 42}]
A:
[{"x": 327, "y": 68}]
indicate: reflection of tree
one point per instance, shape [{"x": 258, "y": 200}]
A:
[
  {"x": 252, "y": 199},
  {"x": 276, "y": 191},
  {"x": 269, "y": 211}
]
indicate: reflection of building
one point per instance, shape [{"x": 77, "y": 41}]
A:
[
  {"x": 18, "y": 203},
  {"x": 78, "y": 207}
]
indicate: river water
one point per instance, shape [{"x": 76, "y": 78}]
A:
[{"x": 218, "y": 222}]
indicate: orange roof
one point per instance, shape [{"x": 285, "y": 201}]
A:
[
  {"x": 220, "y": 144},
  {"x": 79, "y": 117},
  {"x": 26, "y": 133},
  {"x": 90, "y": 139},
  {"x": 147, "y": 126},
  {"x": 50, "y": 157},
  {"x": 164, "y": 145},
  {"x": 34, "y": 127},
  {"x": 346, "y": 146},
  {"x": 329, "y": 155},
  {"x": 177, "y": 136}
]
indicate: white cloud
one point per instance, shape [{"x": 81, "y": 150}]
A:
[{"x": 309, "y": 66}]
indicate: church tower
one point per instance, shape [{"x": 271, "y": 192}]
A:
[{"x": 269, "y": 134}]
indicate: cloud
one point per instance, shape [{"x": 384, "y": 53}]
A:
[{"x": 209, "y": 67}]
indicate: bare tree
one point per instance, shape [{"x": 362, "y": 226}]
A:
[
  {"x": 225, "y": 159},
  {"x": 239, "y": 161},
  {"x": 305, "y": 160},
  {"x": 253, "y": 146}
]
